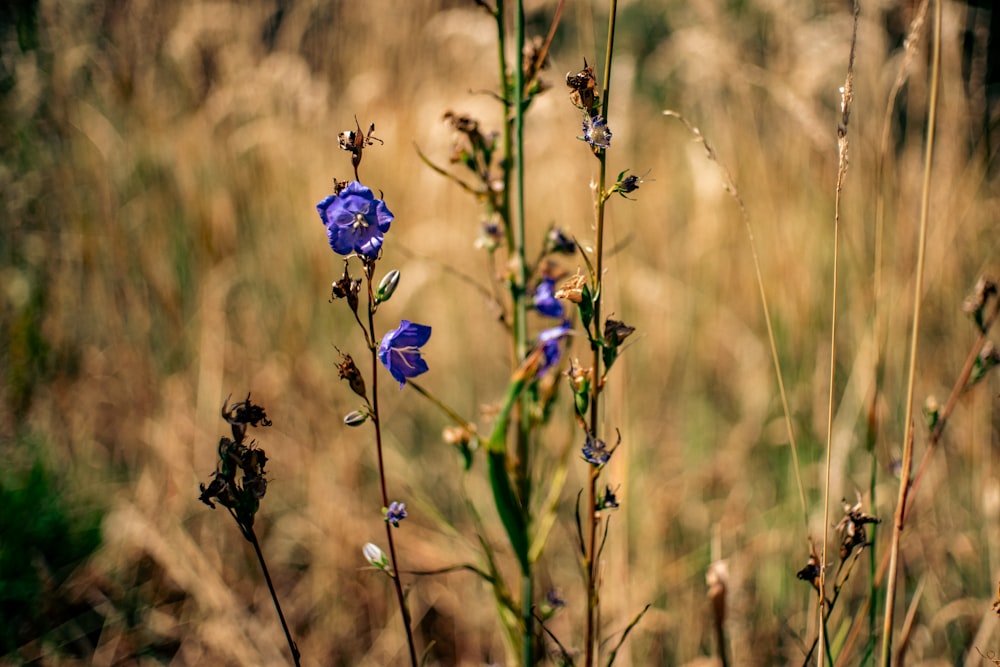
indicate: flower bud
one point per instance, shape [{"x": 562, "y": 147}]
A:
[
  {"x": 388, "y": 285},
  {"x": 356, "y": 418},
  {"x": 375, "y": 556}
]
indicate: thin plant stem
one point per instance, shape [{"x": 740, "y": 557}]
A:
[
  {"x": 394, "y": 575},
  {"x": 910, "y": 51},
  {"x": 960, "y": 386},
  {"x": 730, "y": 187},
  {"x": 847, "y": 95},
  {"x": 252, "y": 537},
  {"x": 904, "y": 479},
  {"x": 519, "y": 289},
  {"x": 593, "y": 598}
]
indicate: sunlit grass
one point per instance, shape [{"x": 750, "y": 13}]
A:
[{"x": 161, "y": 250}]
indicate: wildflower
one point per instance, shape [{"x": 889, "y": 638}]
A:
[
  {"x": 400, "y": 351},
  {"x": 395, "y": 513},
  {"x": 596, "y": 452},
  {"x": 355, "y": 221},
  {"x": 490, "y": 236},
  {"x": 375, "y": 556},
  {"x": 554, "y": 600},
  {"x": 557, "y": 242},
  {"x": 545, "y": 301},
  {"x": 596, "y": 132},
  {"x": 608, "y": 501},
  {"x": 551, "y": 351}
]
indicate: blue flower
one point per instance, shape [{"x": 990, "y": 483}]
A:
[
  {"x": 596, "y": 452},
  {"x": 596, "y": 132},
  {"x": 400, "y": 350},
  {"x": 549, "y": 341},
  {"x": 395, "y": 513},
  {"x": 545, "y": 301},
  {"x": 355, "y": 221},
  {"x": 609, "y": 501}
]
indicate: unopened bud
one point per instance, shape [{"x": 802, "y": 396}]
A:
[
  {"x": 356, "y": 418},
  {"x": 375, "y": 556},
  {"x": 387, "y": 286}
]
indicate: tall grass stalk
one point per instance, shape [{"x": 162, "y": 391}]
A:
[
  {"x": 847, "y": 96},
  {"x": 904, "y": 479}
]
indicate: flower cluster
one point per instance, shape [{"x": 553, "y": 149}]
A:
[{"x": 242, "y": 496}]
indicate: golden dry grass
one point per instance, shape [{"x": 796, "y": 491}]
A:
[{"x": 162, "y": 161}]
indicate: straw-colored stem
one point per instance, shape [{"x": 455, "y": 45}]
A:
[
  {"x": 904, "y": 479},
  {"x": 847, "y": 96}
]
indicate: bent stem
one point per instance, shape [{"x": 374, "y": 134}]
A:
[{"x": 394, "y": 575}]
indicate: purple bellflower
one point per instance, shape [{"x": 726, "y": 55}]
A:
[
  {"x": 395, "y": 513},
  {"x": 545, "y": 301},
  {"x": 549, "y": 340},
  {"x": 596, "y": 132},
  {"x": 400, "y": 350},
  {"x": 355, "y": 221}
]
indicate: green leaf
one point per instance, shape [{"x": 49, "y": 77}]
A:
[{"x": 511, "y": 513}]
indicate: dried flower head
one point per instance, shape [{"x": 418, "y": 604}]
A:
[
  {"x": 811, "y": 572},
  {"x": 241, "y": 495},
  {"x": 349, "y": 371},
  {"x": 583, "y": 89},
  {"x": 852, "y": 528},
  {"x": 355, "y": 143},
  {"x": 572, "y": 288},
  {"x": 347, "y": 288}
]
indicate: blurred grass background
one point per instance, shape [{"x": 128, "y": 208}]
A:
[{"x": 160, "y": 250}]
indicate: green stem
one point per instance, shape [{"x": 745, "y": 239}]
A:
[{"x": 522, "y": 446}]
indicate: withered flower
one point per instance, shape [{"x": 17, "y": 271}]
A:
[
  {"x": 349, "y": 371},
  {"x": 852, "y": 528},
  {"x": 616, "y": 331},
  {"x": 583, "y": 87},
  {"x": 356, "y": 142},
  {"x": 241, "y": 496},
  {"x": 811, "y": 572},
  {"x": 572, "y": 288},
  {"x": 347, "y": 288}
]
